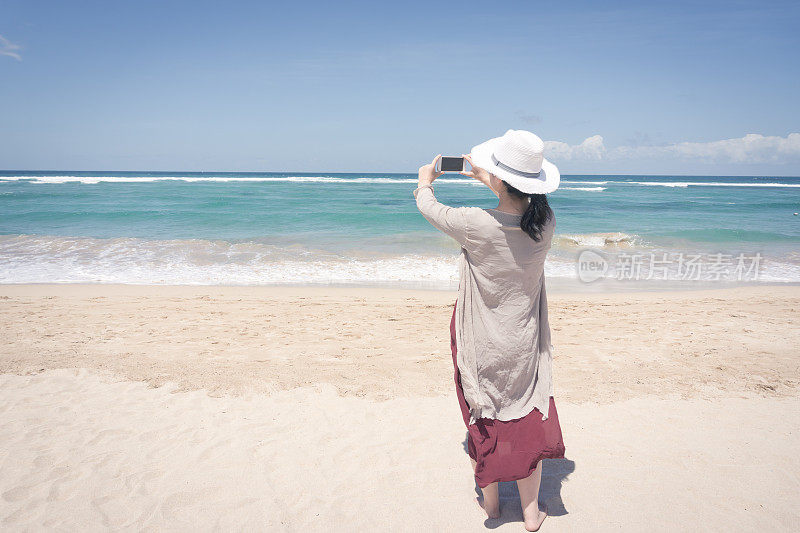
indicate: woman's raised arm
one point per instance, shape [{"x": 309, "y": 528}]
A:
[{"x": 451, "y": 220}]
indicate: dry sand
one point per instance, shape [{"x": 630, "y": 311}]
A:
[{"x": 311, "y": 409}]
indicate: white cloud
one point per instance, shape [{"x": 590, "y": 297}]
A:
[
  {"x": 7, "y": 48},
  {"x": 591, "y": 148},
  {"x": 752, "y": 148}
]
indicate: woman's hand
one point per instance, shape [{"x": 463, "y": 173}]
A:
[
  {"x": 478, "y": 173},
  {"x": 427, "y": 173}
]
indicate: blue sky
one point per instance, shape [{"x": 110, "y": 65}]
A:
[{"x": 614, "y": 87}]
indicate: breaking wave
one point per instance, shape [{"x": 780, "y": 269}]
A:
[{"x": 596, "y": 240}]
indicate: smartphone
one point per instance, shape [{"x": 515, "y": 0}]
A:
[{"x": 451, "y": 164}]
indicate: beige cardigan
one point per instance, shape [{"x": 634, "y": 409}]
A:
[{"x": 502, "y": 330}]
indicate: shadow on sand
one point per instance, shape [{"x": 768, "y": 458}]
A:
[{"x": 554, "y": 473}]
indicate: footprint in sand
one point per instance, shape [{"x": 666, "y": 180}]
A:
[{"x": 17, "y": 493}]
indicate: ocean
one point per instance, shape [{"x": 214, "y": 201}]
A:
[{"x": 365, "y": 230}]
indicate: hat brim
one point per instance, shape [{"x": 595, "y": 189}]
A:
[{"x": 547, "y": 181}]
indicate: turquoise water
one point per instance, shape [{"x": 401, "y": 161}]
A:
[{"x": 247, "y": 228}]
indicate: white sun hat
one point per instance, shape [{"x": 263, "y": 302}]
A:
[{"x": 518, "y": 159}]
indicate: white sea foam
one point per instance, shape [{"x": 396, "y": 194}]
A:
[
  {"x": 223, "y": 179},
  {"x": 44, "y": 259},
  {"x": 684, "y": 184},
  {"x": 594, "y": 189},
  {"x": 596, "y": 240},
  {"x": 40, "y": 259}
]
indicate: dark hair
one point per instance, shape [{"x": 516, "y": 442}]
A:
[{"x": 536, "y": 216}]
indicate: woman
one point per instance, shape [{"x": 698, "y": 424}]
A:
[{"x": 499, "y": 331}]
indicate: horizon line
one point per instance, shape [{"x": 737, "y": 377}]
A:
[{"x": 621, "y": 174}]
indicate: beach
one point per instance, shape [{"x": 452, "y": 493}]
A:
[
  {"x": 142, "y": 407},
  {"x": 226, "y": 292}
]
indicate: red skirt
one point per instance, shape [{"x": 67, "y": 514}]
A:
[{"x": 507, "y": 450}]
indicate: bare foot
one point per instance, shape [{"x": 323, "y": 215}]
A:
[
  {"x": 535, "y": 522},
  {"x": 491, "y": 513}
]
